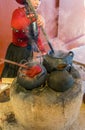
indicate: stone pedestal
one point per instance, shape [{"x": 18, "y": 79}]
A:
[{"x": 44, "y": 109}]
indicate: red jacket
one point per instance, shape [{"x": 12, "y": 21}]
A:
[{"x": 19, "y": 24}]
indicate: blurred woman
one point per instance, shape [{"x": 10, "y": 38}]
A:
[{"x": 25, "y": 30}]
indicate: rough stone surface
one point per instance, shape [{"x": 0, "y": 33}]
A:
[
  {"x": 79, "y": 123},
  {"x": 45, "y": 109}
]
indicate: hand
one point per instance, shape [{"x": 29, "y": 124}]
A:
[
  {"x": 44, "y": 53},
  {"x": 40, "y": 21}
]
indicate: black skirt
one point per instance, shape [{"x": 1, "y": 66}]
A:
[{"x": 16, "y": 54}]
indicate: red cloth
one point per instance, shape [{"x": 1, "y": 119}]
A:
[
  {"x": 20, "y": 38},
  {"x": 19, "y": 19},
  {"x": 20, "y": 23},
  {"x": 40, "y": 45},
  {"x": 33, "y": 71},
  {"x": 20, "y": 1}
]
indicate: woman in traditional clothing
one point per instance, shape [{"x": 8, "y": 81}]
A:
[{"x": 24, "y": 34}]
